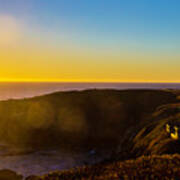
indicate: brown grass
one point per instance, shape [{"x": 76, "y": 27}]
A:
[{"x": 145, "y": 167}]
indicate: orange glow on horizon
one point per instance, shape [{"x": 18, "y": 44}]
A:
[{"x": 80, "y": 81}]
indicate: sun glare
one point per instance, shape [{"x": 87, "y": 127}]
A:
[{"x": 9, "y": 30}]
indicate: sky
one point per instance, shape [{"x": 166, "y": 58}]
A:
[{"x": 90, "y": 40}]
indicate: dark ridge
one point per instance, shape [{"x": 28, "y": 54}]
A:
[{"x": 79, "y": 119}]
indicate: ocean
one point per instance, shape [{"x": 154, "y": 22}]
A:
[{"x": 25, "y": 90}]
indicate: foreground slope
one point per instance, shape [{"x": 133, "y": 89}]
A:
[{"x": 145, "y": 167}]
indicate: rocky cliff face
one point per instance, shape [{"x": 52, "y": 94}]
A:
[{"x": 154, "y": 137}]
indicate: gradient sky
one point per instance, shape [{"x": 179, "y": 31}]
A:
[{"x": 90, "y": 40}]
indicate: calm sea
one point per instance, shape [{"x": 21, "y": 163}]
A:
[{"x": 22, "y": 90}]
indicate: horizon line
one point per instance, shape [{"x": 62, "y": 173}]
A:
[{"x": 60, "y": 81}]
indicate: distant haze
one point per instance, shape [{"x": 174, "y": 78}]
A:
[{"x": 22, "y": 90}]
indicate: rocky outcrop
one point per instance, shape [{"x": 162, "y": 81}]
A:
[{"x": 154, "y": 138}]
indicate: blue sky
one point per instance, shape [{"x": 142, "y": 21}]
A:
[{"x": 149, "y": 20}]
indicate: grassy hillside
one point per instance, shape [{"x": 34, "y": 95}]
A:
[
  {"x": 84, "y": 119},
  {"x": 141, "y": 125},
  {"x": 153, "y": 138},
  {"x": 145, "y": 167}
]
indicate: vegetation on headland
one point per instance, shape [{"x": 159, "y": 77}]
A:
[
  {"x": 82, "y": 119},
  {"x": 145, "y": 167},
  {"x": 129, "y": 124}
]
